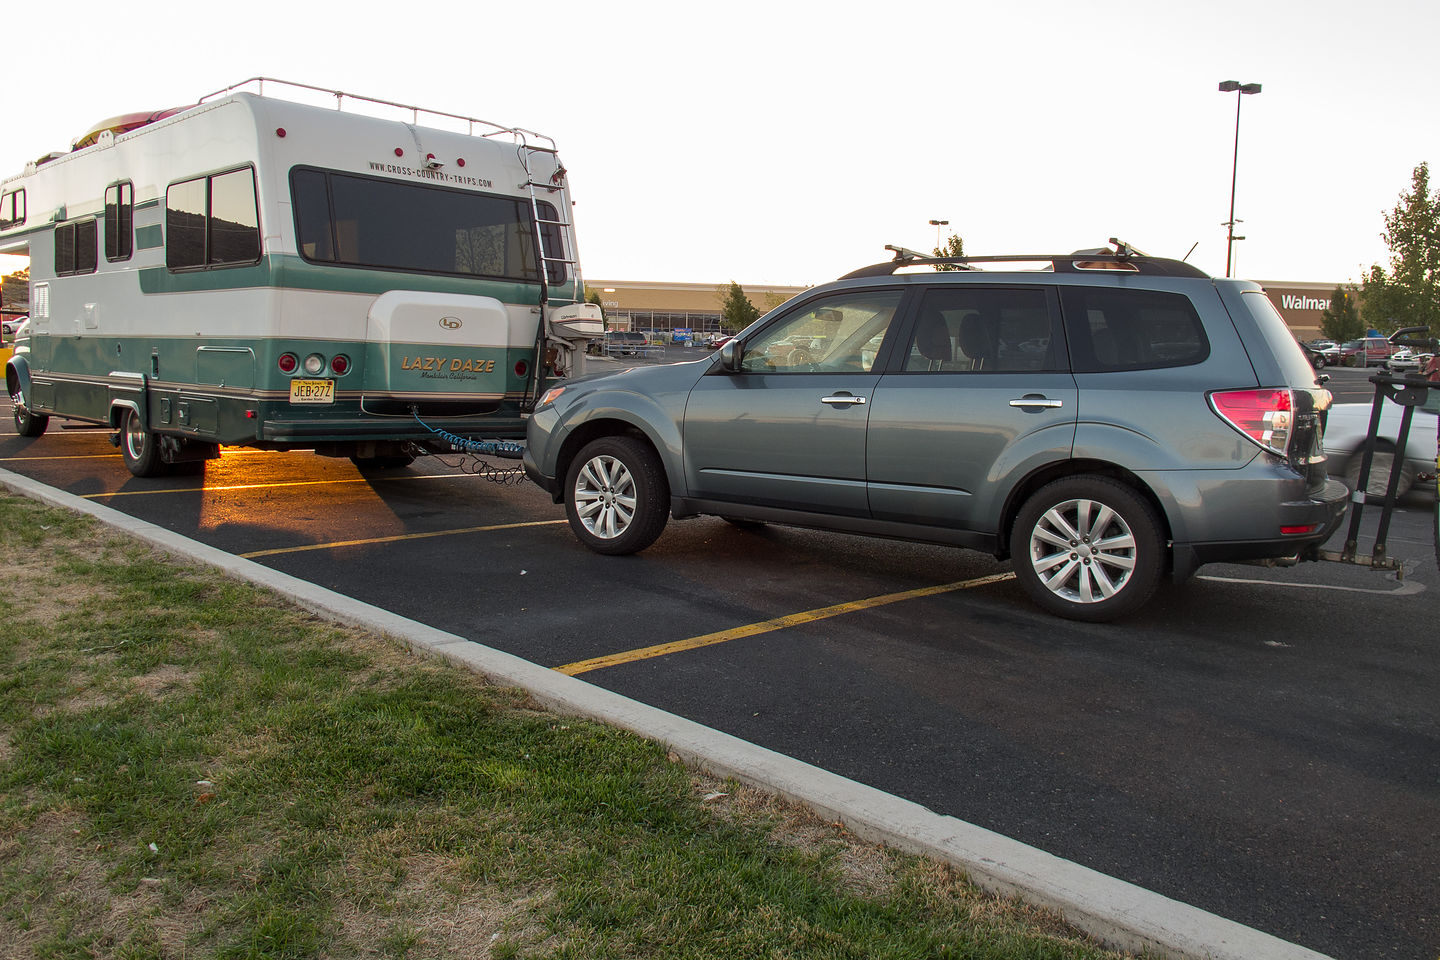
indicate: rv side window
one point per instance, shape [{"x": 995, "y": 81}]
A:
[
  {"x": 119, "y": 221},
  {"x": 391, "y": 225},
  {"x": 75, "y": 248},
  {"x": 12, "y": 209},
  {"x": 212, "y": 221}
]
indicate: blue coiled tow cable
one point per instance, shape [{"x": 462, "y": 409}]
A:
[{"x": 506, "y": 449}]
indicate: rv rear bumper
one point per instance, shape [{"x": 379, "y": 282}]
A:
[{"x": 359, "y": 429}]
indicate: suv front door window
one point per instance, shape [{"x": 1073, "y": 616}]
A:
[{"x": 788, "y": 429}]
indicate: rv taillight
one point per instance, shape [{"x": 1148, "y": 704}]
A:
[
  {"x": 1265, "y": 416},
  {"x": 288, "y": 362},
  {"x": 460, "y": 162},
  {"x": 339, "y": 364},
  {"x": 399, "y": 152},
  {"x": 280, "y": 132},
  {"x": 314, "y": 364},
  {"x": 521, "y": 368}
]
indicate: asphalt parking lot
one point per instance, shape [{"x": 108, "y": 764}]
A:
[{"x": 1261, "y": 743}]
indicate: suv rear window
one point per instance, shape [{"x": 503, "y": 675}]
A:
[{"x": 1112, "y": 329}]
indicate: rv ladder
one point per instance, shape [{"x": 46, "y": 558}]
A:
[{"x": 552, "y": 259}]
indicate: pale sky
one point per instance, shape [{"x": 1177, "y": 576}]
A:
[{"x": 787, "y": 143}]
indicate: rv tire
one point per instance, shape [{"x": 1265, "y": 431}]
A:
[
  {"x": 140, "y": 447},
  {"x": 29, "y": 424}
]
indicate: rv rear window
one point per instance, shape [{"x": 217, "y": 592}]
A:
[
  {"x": 385, "y": 224},
  {"x": 212, "y": 221},
  {"x": 12, "y": 209},
  {"x": 75, "y": 248}
]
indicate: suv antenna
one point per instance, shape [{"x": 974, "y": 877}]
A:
[{"x": 1186, "y": 258}]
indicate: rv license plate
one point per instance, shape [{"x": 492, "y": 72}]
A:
[{"x": 312, "y": 391}]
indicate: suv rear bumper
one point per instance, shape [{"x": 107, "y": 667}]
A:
[{"x": 1323, "y": 515}]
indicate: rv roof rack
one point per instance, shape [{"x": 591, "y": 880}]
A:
[
  {"x": 520, "y": 134},
  {"x": 1123, "y": 258}
]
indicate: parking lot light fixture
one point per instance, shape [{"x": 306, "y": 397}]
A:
[
  {"x": 1239, "y": 89},
  {"x": 937, "y": 224}
]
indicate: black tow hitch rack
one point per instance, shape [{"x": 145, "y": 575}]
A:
[{"x": 1409, "y": 392}]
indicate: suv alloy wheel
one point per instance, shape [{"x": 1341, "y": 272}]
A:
[{"x": 1088, "y": 548}]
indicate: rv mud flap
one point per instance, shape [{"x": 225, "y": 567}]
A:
[
  {"x": 128, "y": 391},
  {"x": 17, "y": 378}
]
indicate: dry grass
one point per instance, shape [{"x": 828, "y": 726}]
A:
[{"x": 315, "y": 791}]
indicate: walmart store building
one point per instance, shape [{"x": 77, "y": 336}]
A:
[{"x": 666, "y": 309}]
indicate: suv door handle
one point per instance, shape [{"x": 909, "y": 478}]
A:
[
  {"x": 841, "y": 400},
  {"x": 1036, "y": 400}
]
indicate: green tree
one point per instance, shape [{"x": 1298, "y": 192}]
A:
[
  {"x": 736, "y": 310},
  {"x": 1408, "y": 294},
  {"x": 593, "y": 296},
  {"x": 954, "y": 247},
  {"x": 1341, "y": 320},
  {"x": 15, "y": 289}
]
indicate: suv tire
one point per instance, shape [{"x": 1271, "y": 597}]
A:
[
  {"x": 1088, "y": 548},
  {"x": 616, "y": 496}
]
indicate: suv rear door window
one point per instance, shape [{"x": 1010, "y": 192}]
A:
[
  {"x": 1113, "y": 329},
  {"x": 984, "y": 330}
]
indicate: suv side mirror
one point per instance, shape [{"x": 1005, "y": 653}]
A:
[{"x": 730, "y": 356}]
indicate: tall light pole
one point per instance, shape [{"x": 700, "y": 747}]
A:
[
  {"x": 937, "y": 224},
  {"x": 1237, "y": 88}
]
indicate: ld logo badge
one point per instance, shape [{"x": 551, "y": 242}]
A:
[{"x": 451, "y": 323}]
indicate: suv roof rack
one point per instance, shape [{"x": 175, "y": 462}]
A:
[{"x": 1123, "y": 258}]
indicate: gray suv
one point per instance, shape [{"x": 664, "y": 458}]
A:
[{"x": 1106, "y": 420}]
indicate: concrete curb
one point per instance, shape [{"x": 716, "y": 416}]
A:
[{"x": 1119, "y": 914}]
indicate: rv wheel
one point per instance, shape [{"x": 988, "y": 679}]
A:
[
  {"x": 140, "y": 447},
  {"x": 29, "y": 424}
]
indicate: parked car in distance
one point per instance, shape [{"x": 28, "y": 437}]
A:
[
  {"x": 9, "y": 325},
  {"x": 1365, "y": 351},
  {"x": 619, "y": 343},
  {"x": 1315, "y": 356},
  {"x": 1348, "y": 424},
  {"x": 1405, "y": 361},
  {"x": 946, "y": 407}
]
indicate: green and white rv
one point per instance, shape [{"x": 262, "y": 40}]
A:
[{"x": 260, "y": 272}]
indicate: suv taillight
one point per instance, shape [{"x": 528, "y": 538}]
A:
[{"x": 1265, "y": 416}]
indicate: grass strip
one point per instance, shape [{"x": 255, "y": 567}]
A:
[{"x": 192, "y": 767}]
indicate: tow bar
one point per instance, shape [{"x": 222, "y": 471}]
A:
[{"x": 1409, "y": 392}]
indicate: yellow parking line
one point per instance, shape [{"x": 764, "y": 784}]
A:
[
  {"x": 397, "y": 537},
  {"x": 285, "y": 483},
  {"x": 84, "y": 456},
  {"x": 779, "y": 623}
]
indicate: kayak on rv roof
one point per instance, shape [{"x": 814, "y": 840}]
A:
[{"x": 122, "y": 124}]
